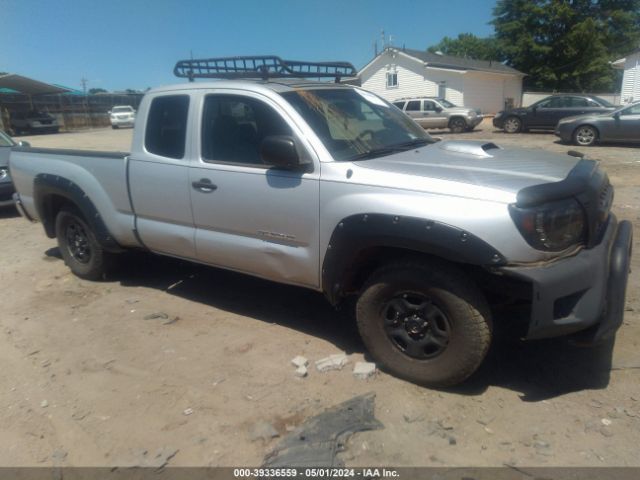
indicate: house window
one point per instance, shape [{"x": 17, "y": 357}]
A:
[{"x": 392, "y": 79}]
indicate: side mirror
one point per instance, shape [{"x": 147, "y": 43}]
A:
[
  {"x": 23, "y": 143},
  {"x": 438, "y": 109},
  {"x": 109, "y": 112},
  {"x": 280, "y": 151},
  {"x": 616, "y": 115}
]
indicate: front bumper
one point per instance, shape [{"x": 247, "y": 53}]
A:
[
  {"x": 474, "y": 121},
  {"x": 121, "y": 122},
  {"x": 565, "y": 133},
  {"x": 584, "y": 293},
  {"x": 6, "y": 194}
]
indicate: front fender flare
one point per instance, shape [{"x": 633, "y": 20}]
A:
[{"x": 357, "y": 233}]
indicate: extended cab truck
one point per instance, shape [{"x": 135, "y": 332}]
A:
[{"x": 329, "y": 187}]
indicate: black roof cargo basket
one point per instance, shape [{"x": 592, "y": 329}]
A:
[{"x": 263, "y": 67}]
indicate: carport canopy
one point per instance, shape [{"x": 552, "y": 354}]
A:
[{"x": 29, "y": 86}]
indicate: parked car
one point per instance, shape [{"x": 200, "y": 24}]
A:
[
  {"x": 431, "y": 112},
  {"x": 348, "y": 197},
  {"x": 545, "y": 114},
  {"x": 122, "y": 116},
  {"x": 6, "y": 185},
  {"x": 622, "y": 125},
  {"x": 33, "y": 121}
]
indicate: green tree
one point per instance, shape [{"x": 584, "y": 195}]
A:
[
  {"x": 567, "y": 44},
  {"x": 470, "y": 46}
]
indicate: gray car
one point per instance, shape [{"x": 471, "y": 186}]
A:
[
  {"x": 6, "y": 185},
  {"x": 431, "y": 112},
  {"x": 622, "y": 125}
]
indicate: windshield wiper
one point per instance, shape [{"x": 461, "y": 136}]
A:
[
  {"x": 373, "y": 153},
  {"x": 388, "y": 150}
]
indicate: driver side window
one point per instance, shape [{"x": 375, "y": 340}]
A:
[{"x": 234, "y": 126}]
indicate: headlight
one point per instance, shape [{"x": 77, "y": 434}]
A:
[
  {"x": 4, "y": 173},
  {"x": 553, "y": 226}
]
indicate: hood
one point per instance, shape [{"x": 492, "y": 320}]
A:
[{"x": 478, "y": 163}]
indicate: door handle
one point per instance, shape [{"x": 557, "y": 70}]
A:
[{"x": 204, "y": 185}]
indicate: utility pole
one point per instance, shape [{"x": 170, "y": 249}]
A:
[{"x": 84, "y": 82}]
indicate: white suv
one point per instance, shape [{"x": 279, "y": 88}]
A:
[{"x": 122, "y": 116}]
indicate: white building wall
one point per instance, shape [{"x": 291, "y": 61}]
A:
[
  {"x": 469, "y": 88},
  {"x": 631, "y": 79},
  {"x": 414, "y": 80}
]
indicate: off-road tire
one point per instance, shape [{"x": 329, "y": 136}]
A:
[
  {"x": 455, "y": 295},
  {"x": 96, "y": 264},
  {"x": 457, "y": 125}
]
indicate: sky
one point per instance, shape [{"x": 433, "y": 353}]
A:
[{"x": 120, "y": 44}]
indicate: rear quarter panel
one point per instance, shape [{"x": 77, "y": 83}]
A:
[{"x": 103, "y": 179}]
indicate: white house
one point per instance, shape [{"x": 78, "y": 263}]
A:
[
  {"x": 630, "y": 91},
  {"x": 397, "y": 73}
]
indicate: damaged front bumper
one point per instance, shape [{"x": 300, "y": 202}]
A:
[{"x": 584, "y": 293}]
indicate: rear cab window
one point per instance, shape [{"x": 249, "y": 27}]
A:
[{"x": 166, "y": 130}]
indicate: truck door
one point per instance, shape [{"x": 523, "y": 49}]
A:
[
  {"x": 159, "y": 177},
  {"x": 248, "y": 216}
]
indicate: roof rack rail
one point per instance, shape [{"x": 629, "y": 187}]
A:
[{"x": 263, "y": 67}]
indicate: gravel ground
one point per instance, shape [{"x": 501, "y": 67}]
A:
[{"x": 92, "y": 377}]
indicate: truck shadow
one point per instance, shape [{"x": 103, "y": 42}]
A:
[{"x": 538, "y": 370}]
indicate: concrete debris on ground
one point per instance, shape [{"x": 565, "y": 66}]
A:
[
  {"x": 301, "y": 371},
  {"x": 44, "y": 404},
  {"x": 299, "y": 361},
  {"x": 332, "y": 362},
  {"x": 364, "y": 370},
  {"x": 188, "y": 411},
  {"x": 156, "y": 315},
  {"x": 262, "y": 430}
]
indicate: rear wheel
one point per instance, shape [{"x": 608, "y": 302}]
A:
[
  {"x": 424, "y": 322},
  {"x": 457, "y": 125},
  {"x": 585, "y": 136},
  {"x": 78, "y": 246},
  {"x": 512, "y": 125}
]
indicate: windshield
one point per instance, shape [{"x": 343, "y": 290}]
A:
[
  {"x": 122, "y": 109},
  {"x": 355, "y": 124},
  {"x": 5, "y": 140},
  {"x": 446, "y": 103}
]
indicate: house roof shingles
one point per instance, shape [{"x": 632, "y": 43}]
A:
[{"x": 458, "y": 63}]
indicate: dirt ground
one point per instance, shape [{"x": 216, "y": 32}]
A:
[{"x": 86, "y": 380}]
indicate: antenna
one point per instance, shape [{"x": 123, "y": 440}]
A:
[{"x": 84, "y": 82}]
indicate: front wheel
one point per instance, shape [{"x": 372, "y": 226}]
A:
[
  {"x": 457, "y": 125},
  {"x": 78, "y": 246},
  {"x": 426, "y": 323},
  {"x": 585, "y": 136},
  {"x": 512, "y": 125}
]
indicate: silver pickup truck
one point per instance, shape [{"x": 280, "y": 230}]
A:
[{"x": 329, "y": 187}]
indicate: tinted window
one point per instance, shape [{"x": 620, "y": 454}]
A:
[
  {"x": 167, "y": 126},
  {"x": 553, "y": 102},
  {"x": 400, "y": 105},
  {"x": 603, "y": 102},
  {"x": 233, "y": 128},
  {"x": 577, "y": 102},
  {"x": 429, "y": 106},
  {"x": 413, "y": 106}
]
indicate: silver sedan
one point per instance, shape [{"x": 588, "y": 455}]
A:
[{"x": 621, "y": 125}]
